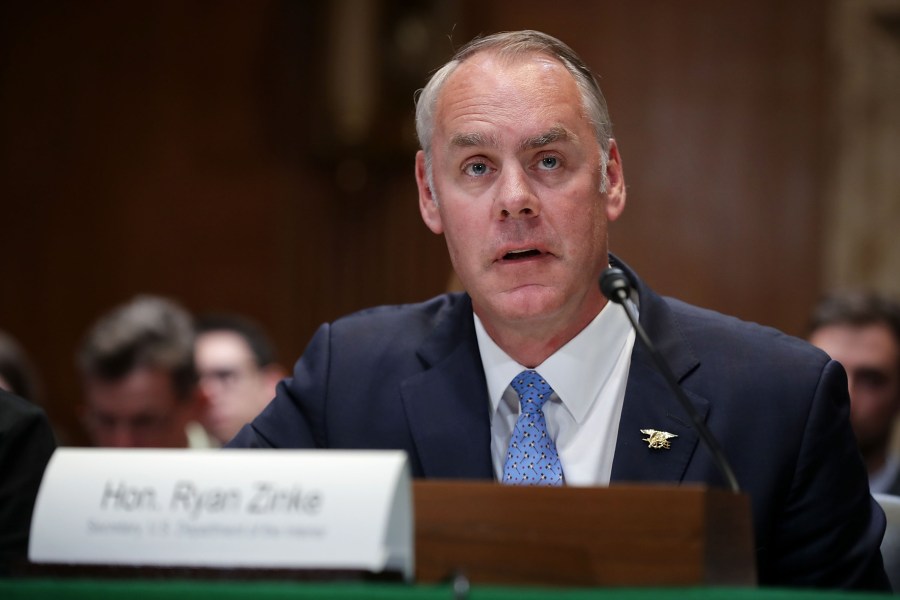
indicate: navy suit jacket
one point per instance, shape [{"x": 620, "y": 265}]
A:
[
  {"x": 410, "y": 378},
  {"x": 26, "y": 444}
]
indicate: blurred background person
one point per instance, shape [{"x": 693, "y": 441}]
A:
[
  {"x": 237, "y": 370},
  {"x": 17, "y": 374},
  {"x": 861, "y": 330},
  {"x": 139, "y": 381},
  {"x": 26, "y": 444}
]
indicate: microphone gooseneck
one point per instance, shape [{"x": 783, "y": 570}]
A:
[
  {"x": 617, "y": 288},
  {"x": 615, "y": 285}
]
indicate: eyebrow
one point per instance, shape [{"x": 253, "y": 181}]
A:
[
  {"x": 554, "y": 134},
  {"x": 467, "y": 140}
]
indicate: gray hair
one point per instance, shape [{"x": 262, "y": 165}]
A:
[
  {"x": 149, "y": 331},
  {"x": 513, "y": 44}
]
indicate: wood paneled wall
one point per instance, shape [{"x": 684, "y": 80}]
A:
[
  {"x": 183, "y": 148},
  {"x": 718, "y": 108}
]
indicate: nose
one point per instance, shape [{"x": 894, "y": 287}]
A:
[
  {"x": 122, "y": 436},
  {"x": 516, "y": 198},
  {"x": 210, "y": 388}
]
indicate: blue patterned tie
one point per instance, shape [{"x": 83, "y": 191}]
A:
[{"x": 532, "y": 458}]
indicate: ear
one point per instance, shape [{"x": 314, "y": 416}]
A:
[
  {"x": 427, "y": 205},
  {"x": 615, "y": 186},
  {"x": 196, "y": 404},
  {"x": 272, "y": 374}
]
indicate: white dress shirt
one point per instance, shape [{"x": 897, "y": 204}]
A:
[{"x": 588, "y": 377}]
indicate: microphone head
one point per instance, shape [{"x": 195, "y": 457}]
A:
[{"x": 615, "y": 285}]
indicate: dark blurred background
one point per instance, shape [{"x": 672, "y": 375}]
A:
[{"x": 257, "y": 156}]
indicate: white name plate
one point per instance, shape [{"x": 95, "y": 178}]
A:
[{"x": 285, "y": 509}]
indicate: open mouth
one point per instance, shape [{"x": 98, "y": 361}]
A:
[{"x": 520, "y": 254}]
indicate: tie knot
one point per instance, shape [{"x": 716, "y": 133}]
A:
[{"x": 532, "y": 389}]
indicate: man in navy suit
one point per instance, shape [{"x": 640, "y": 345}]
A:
[
  {"x": 26, "y": 444},
  {"x": 861, "y": 330},
  {"x": 520, "y": 173}
]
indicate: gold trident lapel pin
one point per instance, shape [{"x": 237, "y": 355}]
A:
[{"x": 658, "y": 439}]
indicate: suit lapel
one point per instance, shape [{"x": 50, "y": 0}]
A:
[
  {"x": 447, "y": 404},
  {"x": 650, "y": 404}
]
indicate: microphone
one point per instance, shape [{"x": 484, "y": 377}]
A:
[{"x": 617, "y": 288}]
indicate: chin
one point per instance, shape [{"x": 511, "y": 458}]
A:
[{"x": 529, "y": 303}]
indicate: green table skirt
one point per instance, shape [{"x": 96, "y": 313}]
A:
[{"x": 91, "y": 589}]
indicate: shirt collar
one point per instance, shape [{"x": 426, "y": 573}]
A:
[{"x": 577, "y": 371}]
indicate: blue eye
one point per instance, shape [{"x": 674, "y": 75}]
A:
[
  {"x": 548, "y": 163},
  {"x": 476, "y": 169}
]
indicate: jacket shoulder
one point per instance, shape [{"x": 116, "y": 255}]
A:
[
  {"x": 709, "y": 333},
  {"x": 409, "y": 323}
]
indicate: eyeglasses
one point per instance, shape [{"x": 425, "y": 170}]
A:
[{"x": 226, "y": 377}]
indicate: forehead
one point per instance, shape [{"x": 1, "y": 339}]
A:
[
  {"x": 854, "y": 345},
  {"x": 221, "y": 347},
  {"x": 142, "y": 389},
  {"x": 525, "y": 94}
]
